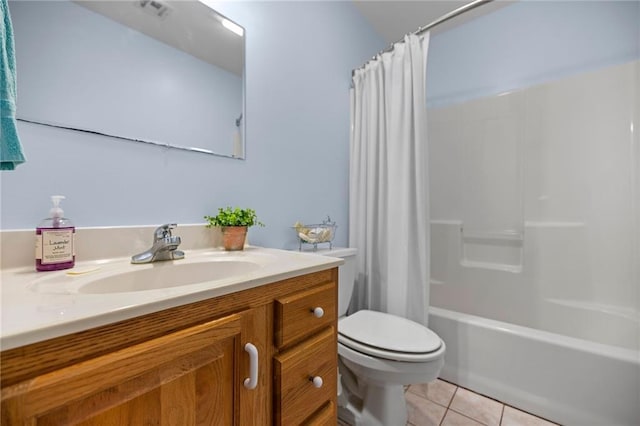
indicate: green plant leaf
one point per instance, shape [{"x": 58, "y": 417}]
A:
[{"x": 233, "y": 217}]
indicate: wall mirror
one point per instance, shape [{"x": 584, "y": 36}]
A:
[{"x": 169, "y": 73}]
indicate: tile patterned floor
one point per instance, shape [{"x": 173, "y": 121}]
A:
[{"x": 440, "y": 403}]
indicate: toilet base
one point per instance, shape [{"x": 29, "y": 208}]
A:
[
  {"x": 370, "y": 404},
  {"x": 382, "y": 406}
]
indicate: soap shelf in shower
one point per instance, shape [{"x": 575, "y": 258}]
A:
[
  {"x": 506, "y": 235},
  {"x": 516, "y": 269},
  {"x": 500, "y": 250}
]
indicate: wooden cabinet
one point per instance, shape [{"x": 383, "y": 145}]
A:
[
  {"x": 182, "y": 366},
  {"x": 305, "y": 369},
  {"x": 182, "y": 378}
]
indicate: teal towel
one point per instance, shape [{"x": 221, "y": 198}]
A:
[{"x": 10, "y": 148}]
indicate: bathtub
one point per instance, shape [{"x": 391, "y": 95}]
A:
[{"x": 564, "y": 379}]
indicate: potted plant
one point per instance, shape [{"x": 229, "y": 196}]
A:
[{"x": 234, "y": 223}]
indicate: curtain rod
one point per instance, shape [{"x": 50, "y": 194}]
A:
[{"x": 459, "y": 11}]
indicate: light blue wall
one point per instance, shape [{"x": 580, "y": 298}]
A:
[
  {"x": 299, "y": 61},
  {"x": 527, "y": 43}
]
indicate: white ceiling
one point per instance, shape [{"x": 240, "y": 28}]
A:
[{"x": 393, "y": 19}]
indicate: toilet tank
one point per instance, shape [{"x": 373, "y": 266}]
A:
[{"x": 346, "y": 275}]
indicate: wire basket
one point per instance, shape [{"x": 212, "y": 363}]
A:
[{"x": 314, "y": 234}]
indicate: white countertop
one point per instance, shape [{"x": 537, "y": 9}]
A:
[{"x": 37, "y": 306}]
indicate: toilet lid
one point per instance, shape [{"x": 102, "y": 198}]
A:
[{"x": 386, "y": 332}]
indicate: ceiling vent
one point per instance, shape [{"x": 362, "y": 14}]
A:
[{"x": 154, "y": 7}]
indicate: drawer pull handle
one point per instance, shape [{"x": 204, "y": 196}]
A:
[
  {"x": 252, "y": 381},
  {"x": 317, "y": 381},
  {"x": 318, "y": 312}
]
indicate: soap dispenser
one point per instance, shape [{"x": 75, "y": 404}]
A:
[{"x": 55, "y": 245}]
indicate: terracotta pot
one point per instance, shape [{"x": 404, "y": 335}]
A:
[{"x": 233, "y": 237}]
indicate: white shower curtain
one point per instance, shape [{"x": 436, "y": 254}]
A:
[{"x": 389, "y": 192}]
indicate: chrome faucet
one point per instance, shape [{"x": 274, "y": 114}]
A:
[{"x": 163, "y": 248}]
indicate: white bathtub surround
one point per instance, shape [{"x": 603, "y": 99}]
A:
[
  {"x": 578, "y": 206},
  {"x": 551, "y": 293},
  {"x": 389, "y": 190},
  {"x": 549, "y": 320}
]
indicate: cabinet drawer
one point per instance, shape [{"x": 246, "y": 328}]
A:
[
  {"x": 326, "y": 416},
  {"x": 296, "y": 396},
  {"x": 295, "y": 317}
]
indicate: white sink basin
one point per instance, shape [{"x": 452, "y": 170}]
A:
[
  {"x": 125, "y": 278},
  {"x": 175, "y": 275}
]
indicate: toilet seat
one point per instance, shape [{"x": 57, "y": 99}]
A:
[{"x": 387, "y": 336}]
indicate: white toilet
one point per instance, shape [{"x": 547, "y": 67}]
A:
[{"x": 379, "y": 354}]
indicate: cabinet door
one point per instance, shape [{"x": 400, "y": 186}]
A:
[{"x": 185, "y": 378}]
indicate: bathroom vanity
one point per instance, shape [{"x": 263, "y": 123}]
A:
[{"x": 182, "y": 357}]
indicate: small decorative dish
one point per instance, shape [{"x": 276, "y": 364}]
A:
[{"x": 316, "y": 233}]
